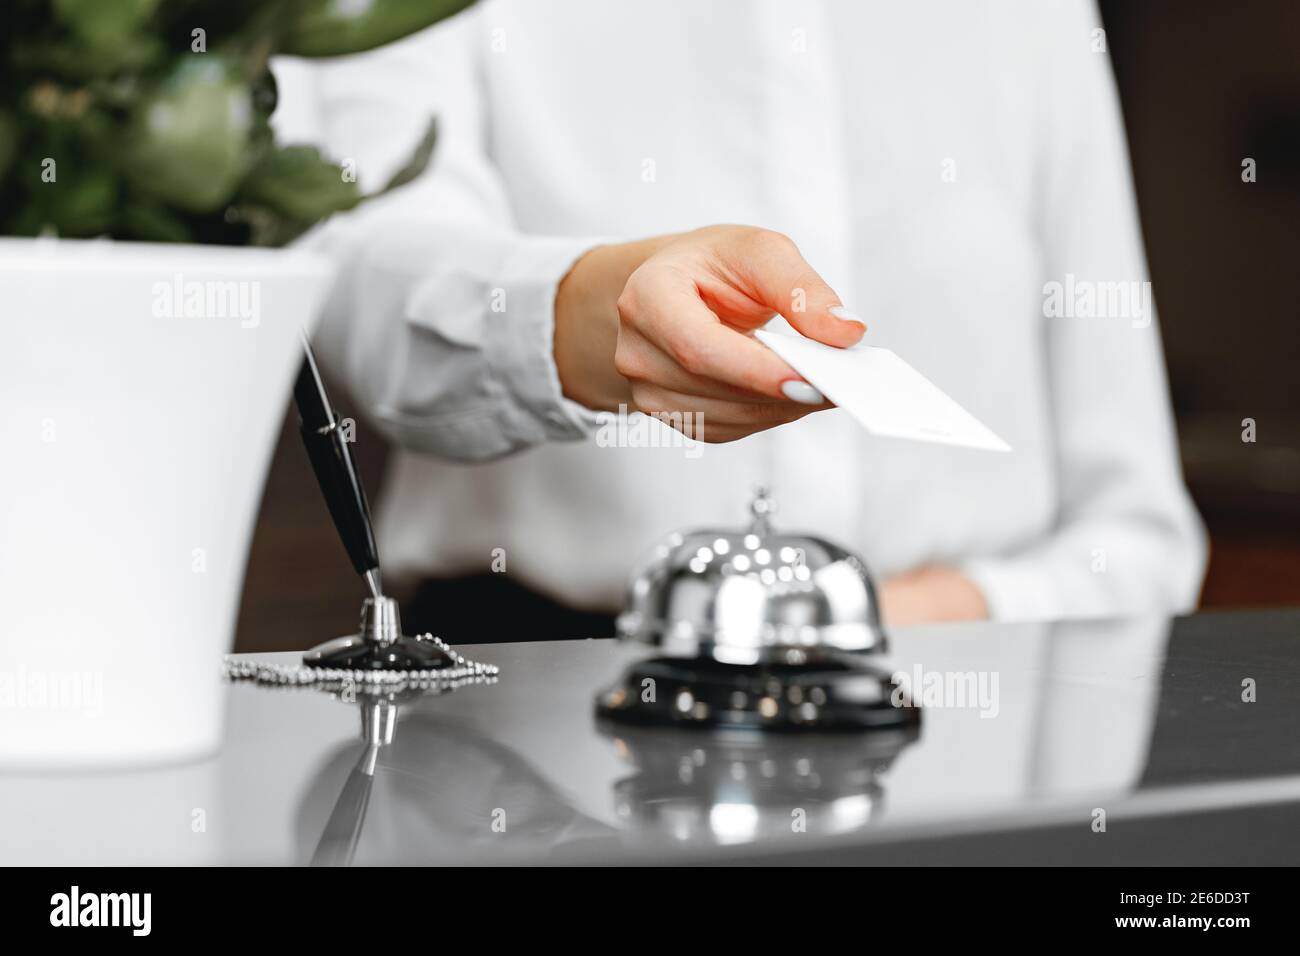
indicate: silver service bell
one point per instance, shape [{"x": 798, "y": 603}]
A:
[
  {"x": 753, "y": 596},
  {"x": 755, "y": 629}
]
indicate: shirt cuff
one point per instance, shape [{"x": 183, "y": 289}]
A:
[{"x": 521, "y": 349}]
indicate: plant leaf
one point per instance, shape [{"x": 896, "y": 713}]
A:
[
  {"x": 188, "y": 140},
  {"x": 144, "y": 221},
  {"x": 418, "y": 162},
  {"x": 297, "y": 182},
  {"x": 331, "y": 28},
  {"x": 104, "y": 24}
]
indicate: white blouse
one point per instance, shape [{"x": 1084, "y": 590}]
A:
[{"x": 956, "y": 170}]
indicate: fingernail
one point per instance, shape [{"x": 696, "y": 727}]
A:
[
  {"x": 842, "y": 313},
  {"x": 802, "y": 392}
]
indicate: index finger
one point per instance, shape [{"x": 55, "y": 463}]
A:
[{"x": 686, "y": 329}]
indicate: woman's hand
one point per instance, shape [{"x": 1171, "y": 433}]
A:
[
  {"x": 931, "y": 594},
  {"x": 663, "y": 326}
]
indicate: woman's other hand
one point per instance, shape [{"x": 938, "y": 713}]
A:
[{"x": 931, "y": 594}]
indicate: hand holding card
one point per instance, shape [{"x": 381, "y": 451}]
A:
[{"x": 885, "y": 394}]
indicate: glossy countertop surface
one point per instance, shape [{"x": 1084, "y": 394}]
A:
[{"x": 1044, "y": 730}]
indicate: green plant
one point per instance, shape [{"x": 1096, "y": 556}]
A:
[{"x": 149, "y": 119}]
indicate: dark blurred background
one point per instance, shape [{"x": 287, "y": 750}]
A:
[{"x": 1205, "y": 84}]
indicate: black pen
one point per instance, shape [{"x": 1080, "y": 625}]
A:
[{"x": 335, "y": 471}]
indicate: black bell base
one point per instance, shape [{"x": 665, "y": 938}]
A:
[
  {"x": 702, "y": 693},
  {"x": 354, "y": 652}
]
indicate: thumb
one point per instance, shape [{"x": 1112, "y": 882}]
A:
[{"x": 787, "y": 284}]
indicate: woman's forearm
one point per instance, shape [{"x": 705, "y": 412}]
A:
[{"x": 586, "y": 323}]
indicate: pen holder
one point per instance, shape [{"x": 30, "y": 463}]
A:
[{"x": 380, "y": 646}]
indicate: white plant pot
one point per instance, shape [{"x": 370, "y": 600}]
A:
[{"x": 142, "y": 388}]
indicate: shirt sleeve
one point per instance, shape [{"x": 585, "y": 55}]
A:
[
  {"x": 1128, "y": 538},
  {"x": 441, "y": 320}
]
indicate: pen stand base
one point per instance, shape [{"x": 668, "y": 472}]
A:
[
  {"x": 380, "y": 645},
  {"x": 358, "y": 652},
  {"x": 358, "y": 665}
]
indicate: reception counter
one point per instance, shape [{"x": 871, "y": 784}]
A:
[{"x": 1131, "y": 742}]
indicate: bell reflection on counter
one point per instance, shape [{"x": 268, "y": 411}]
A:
[
  {"x": 757, "y": 629},
  {"x": 733, "y": 787}
]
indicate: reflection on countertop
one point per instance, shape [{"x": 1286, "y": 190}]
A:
[
  {"x": 726, "y": 787},
  {"x": 436, "y": 788}
]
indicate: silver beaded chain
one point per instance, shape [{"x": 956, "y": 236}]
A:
[{"x": 460, "y": 670}]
